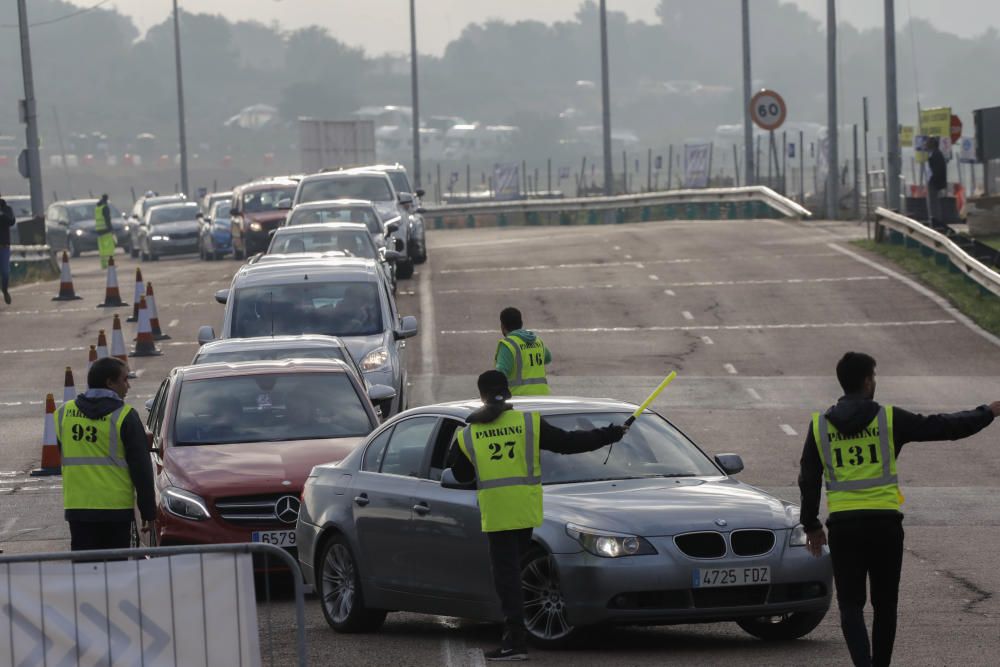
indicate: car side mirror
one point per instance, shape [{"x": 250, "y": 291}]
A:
[
  {"x": 392, "y": 228},
  {"x": 405, "y": 198},
  {"x": 448, "y": 481},
  {"x": 421, "y": 210},
  {"x": 149, "y": 406},
  {"x": 400, "y": 246},
  {"x": 199, "y": 216},
  {"x": 394, "y": 256},
  {"x": 730, "y": 463},
  {"x": 419, "y": 192},
  {"x": 222, "y": 296},
  {"x": 381, "y": 392},
  {"x": 206, "y": 334},
  {"x": 270, "y": 233},
  {"x": 284, "y": 204},
  {"x": 407, "y": 328}
]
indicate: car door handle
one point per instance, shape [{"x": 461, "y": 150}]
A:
[
  {"x": 421, "y": 508},
  {"x": 361, "y": 500}
]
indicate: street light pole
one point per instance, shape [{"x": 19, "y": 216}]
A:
[
  {"x": 416, "y": 97},
  {"x": 182, "y": 134},
  {"x": 894, "y": 164},
  {"x": 30, "y": 116},
  {"x": 609, "y": 183},
  {"x": 747, "y": 94},
  {"x": 832, "y": 138}
]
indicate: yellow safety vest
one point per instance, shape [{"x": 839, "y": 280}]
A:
[
  {"x": 506, "y": 456},
  {"x": 528, "y": 378},
  {"x": 95, "y": 472},
  {"x": 860, "y": 469},
  {"x": 102, "y": 219}
]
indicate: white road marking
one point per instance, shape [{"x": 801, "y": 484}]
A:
[
  {"x": 730, "y": 369},
  {"x": 617, "y": 247},
  {"x": 687, "y": 315},
  {"x": 544, "y": 267},
  {"x": 173, "y": 323},
  {"x": 628, "y": 256},
  {"x": 139, "y": 373},
  {"x": 721, "y": 327},
  {"x": 782, "y": 281},
  {"x": 81, "y": 349},
  {"x": 640, "y": 265},
  {"x": 542, "y": 288},
  {"x": 669, "y": 292},
  {"x": 753, "y": 393},
  {"x": 427, "y": 340},
  {"x": 26, "y": 480},
  {"x": 788, "y": 430},
  {"x": 939, "y": 300},
  {"x": 476, "y": 657},
  {"x": 707, "y": 341},
  {"x": 60, "y": 311},
  {"x": 653, "y": 276}
]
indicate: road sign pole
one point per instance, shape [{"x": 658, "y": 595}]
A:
[
  {"x": 833, "y": 157},
  {"x": 891, "y": 110},
  {"x": 414, "y": 94},
  {"x": 802, "y": 168},
  {"x": 609, "y": 183},
  {"x": 868, "y": 188},
  {"x": 748, "y": 163},
  {"x": 30, "y": 116}
]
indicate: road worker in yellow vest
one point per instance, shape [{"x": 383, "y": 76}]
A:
[
  {"x": 522, "y": 356},
  {"x": 105, "y": 462},
  {"x": 852, "y": 448},
  {"x": 500, "y": 449},
  {"x": 105, "y": 233}
]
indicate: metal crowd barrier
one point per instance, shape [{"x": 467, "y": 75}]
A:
[
  {"x": 30, "y": 253},
  {"x": 181, "y": 606},
  {"x": 756, "y": 201},
  {"x": 913, "y": 232}
]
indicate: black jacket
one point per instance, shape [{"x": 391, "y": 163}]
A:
[
  {"x": 7, "y": 220},
  {"x": 854, "y": 412},
  {"x": 939, "y": 170},
  {"x": 550, "y": 438},
  {"x": 140, "y": 468}
]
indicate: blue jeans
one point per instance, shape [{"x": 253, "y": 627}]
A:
[{"x": 5, "y": 266}]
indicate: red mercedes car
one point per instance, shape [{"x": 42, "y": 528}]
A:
[{"x": 233, "y": 443}]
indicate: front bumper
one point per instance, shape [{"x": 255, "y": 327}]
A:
[
  {"x": 220, "y": 243},
  {"x": 174, "y": 246},
  {"x": 656, "y": 589},
  {"x": 305, "y": 544}
]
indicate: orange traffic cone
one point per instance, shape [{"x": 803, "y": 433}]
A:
[
  {"x": 154, "y": 317},
  {"x": 145, "y": 346},
  {"x": 69, "y": 387},
  {"x": 112, "y": 298},
  {"x": 118, "y": 344},
  {"x": 91, "y": 357},
  {"x": 102, "y": 344},
  {"x": 135, "y": 295},
  {"x": 51, "y": 461},
  {"x": 66, "y": 291}
]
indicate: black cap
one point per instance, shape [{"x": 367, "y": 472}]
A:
[{"x": 493, "y": 387}]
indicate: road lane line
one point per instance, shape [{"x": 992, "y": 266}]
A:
[
  {"x": 788, "y": 430},
  {"x": 628, "y": 256},
  {"x": 707, "y": 341},
  {"x": 753, "y": 393},
  {"x": 427, "y": 340},
  {"x": 687, "y": 314},
  {"x": 173, "y": 323},
  {"x": 936, "y": 298},
  {"x": 654, "y": 277},
  {"x": 730, "y": 369},
  {"x": 81, "y": 349},
  {"x": 669, "y": 292},
  {"x": 617, "y": 247},
  {"x": 476, "y": 657},
  {"x": 721, "y": 327},
  {"x": 715, "y": 283}
]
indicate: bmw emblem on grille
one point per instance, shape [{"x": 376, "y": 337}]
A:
[
  {"x": 718, "y": 522},
  {"x": 286, "y": 508}
]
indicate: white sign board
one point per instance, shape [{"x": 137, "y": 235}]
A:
[
  {"x": 967, "y": 150},
  {"x": 194, "y": 610},
  {"x": 697, "y": 158}
]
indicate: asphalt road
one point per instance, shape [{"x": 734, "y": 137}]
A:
[{"x": 753, "y": 316}]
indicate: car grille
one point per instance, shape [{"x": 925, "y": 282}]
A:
[
  {"x": 701, "y": 545},
  {"x": 247, "y": 510},
  {"x": 751, "y": 542},
  {"x": 180, "y": 236},
  {"x": 736, "y": 596}
]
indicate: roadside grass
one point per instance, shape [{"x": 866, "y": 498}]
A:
[
  {"x": 982, "y": 307},
  {"x": 991, "y": 241},
  {"x": 23, "y": 273}
]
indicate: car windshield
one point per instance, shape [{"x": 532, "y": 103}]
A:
[
  {"x": 371, "y": 188},
  {"x": 221, "y": 210},
  {"x": 331, "y": 309},
  {"x": 257, "y": 201},
  {"x": 21, "y": 207},
  {"x": 160, "y": 201},
  {"x": 651, "y": 448},
  {"x": 270, "y": 353},
  {"x": 81, "y": 212},
  {"x": 269, "y": 407},
  {"x": 400, "y": 181},
  {"x": 363, "y": 214},
  {"x": 354, "y": 243},
  {"x": 164, "y": 214}
]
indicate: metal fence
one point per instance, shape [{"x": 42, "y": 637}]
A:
[{"x": 188, "y": 605}]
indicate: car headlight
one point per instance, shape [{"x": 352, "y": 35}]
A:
[
  {"x": 184, "y": 504},
  {"x": 797, "y": 538},
  {"x": 159, "y": 237},
  {"x": 126, "y": 229},
  {"x": 256, "y": 227},
  {"x": 80, "y": 232},
  {"x": 607, "y": 544},
  {"x": 375, "y": 360}
]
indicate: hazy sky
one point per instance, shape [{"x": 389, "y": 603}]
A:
[{"x": 382, "y": 25}]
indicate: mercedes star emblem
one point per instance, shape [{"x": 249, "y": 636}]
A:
[
  {"x": 286, "y": 508},
  {"x": 718, "y": 522}
]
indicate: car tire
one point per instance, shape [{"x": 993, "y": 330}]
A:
[
  {"x": 132, "y": 250},
  {"x": 72, "y": 248},
  {"x": 782, "y": 628},
  {"x": 339, "y": 588},
  {"x": 404, "y": 270},
  {"x": 143, "y": 255},
  {"x": 419, "y": 253},
  {"x": 544, "y": 606}
]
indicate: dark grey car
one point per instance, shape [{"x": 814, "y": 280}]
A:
[{"x": 659, "y": 534}]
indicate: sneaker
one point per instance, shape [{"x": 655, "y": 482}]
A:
[
  {"x": 505, "y": 654},
  {"x": 6, "y": 297}
]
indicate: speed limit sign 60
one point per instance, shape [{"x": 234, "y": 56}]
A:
[{"x": 767, "y": 109}]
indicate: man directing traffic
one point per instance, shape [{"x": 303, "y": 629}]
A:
[{"x": 522, "y": 356}]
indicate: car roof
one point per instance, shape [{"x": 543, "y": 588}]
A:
[
  {"x": 384, "y": 167},
  {"x": 330, "y": 203},
  {"x": 265, "y": 184},
  {"x": 543, "y": 404},
  {"x": 329, "y": 255},
  {"x": 344, "y": 173},
  {"x": 355, "y": 269},
  {"x": 175, "y": 204},
  {"x": 240, "y": 368},
  {"x": 76, "y": 202},
  {"x": 321, "y": 226},
  {"x": 282, "y": 342}
]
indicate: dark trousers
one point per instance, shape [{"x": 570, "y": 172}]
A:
[
  {"x": 868, "y": 551},
  {"x": 89, "y": 535},
  {"x": 507, "y": 548},
  {"x": 4, "y": 267}
]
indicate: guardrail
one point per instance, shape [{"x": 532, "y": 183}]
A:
[
  {"x": 30, "y": 253},
  {"x": 713, "y": 203},
  {"x": 946, "y": 249}
]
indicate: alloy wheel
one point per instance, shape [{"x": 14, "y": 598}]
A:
[
  {"x": 338, "y": 583},
  {"x": 544, "y": 606}
]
